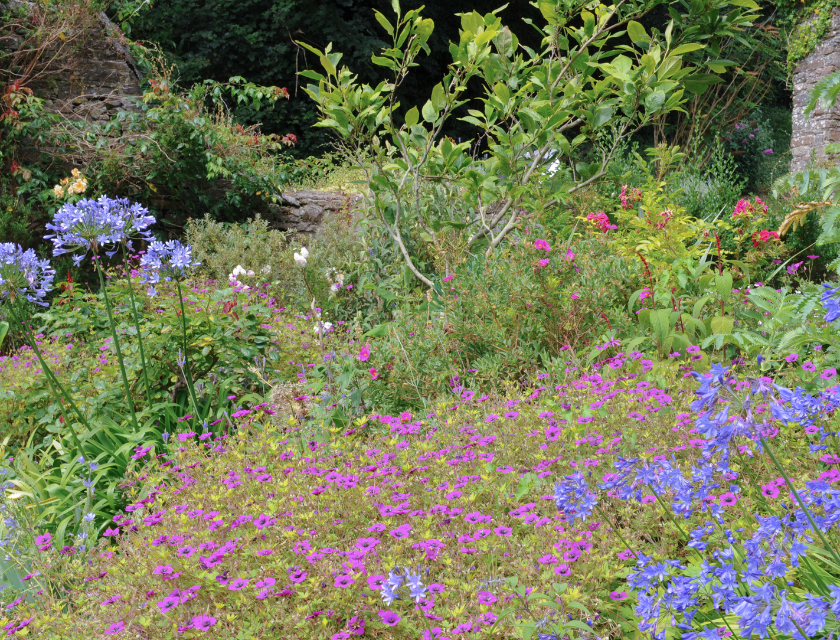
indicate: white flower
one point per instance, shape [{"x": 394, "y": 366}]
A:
[
  {"x": 300, "y": 259},
  {"x": 250, "y": 273},
  {"x": 266, "y": 269},
  {"x": 336, "y": 286},
  {"x": 323, "y": 327},
  {"x": 304, "y": 252},
  {"x": 238, "y": 271}
]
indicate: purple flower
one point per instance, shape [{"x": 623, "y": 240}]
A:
[
  {"x": 203, "y": 622},
  {"x": 389, "y": 618},
  {"x": 828, "y": 373},
  {"x": 809, "y": 366},
  {"x": 376, "y": 582},
  {"x": 342, "y": 582},
  {"x": 618, "y": 595},
  {"x": 168, "y": 603},
  {"x": 262, "y": 584},
  {"x": 114, "y": 629},
  {"x": 238, "y": 584},
  {"x": 485, "y": 597},
  {"x": 401, "y": 532}
]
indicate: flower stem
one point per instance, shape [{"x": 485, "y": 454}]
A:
[
  {"x": 137, "y": 326},
  {"x": 55, "y": 385},
  {"x": 126, "y": 387},
  {"x": 187, "y": 369}
]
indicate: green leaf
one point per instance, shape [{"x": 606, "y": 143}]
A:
[
  {"x": 438, "y": 97},
  {"x": 687, "y": 48},
  {"x": 660, "y": 322},
  {"x": 4, "y": 329},
  {"x": 429, "y": 112},
  {"x": 384, "y": 22},
  {"x": 378, "y": 331},
  {"x": 723, "y": 284},
  {"x": 637, "y": 33},
  {"x": 722, "y": 324},
  {"x": 412, "y": 117}
]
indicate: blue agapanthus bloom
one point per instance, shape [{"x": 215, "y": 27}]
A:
[
  {"x": 94, "y": 225},
  {"x": 165, "y": 261},
  {"x": 830, "y": 303},
  {"x": 22, "y": 273},
  {"x": 573, "y": 496}
]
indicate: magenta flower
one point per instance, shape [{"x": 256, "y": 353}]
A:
[
  {"x": 727, "y": 499},
  {"x": 389, "y": 618},
  {"x": 262, "y": 584},
  {"x": 376, "y": 582},
  {"x": 486, "y": 598},
  {"x": 562, "y": 570},
  {"x": 342, "y": 582},
  {"x": 401, "y": 532},
  {"x": 542, "y": 244},
  {"x": 548, "y": 559},
  {"x": 364, "y": 353},
  {"x": 503, "y": 532},
  {"x": 618, "y": 595},
  {"x": 809, "y": 366},
  {"x": 168, "y": 603},
  {"x": 544, "y": 262},
  {"x": 769, "y": 491},
  {"x": 202, "y": 622},
  {"x": 114, "y": 629},
  {"x": 238, "y": 584},
  {"x": 793, "y": 357},
  {"x": 828, "y": 373}
]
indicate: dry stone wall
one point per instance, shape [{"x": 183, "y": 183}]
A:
[
  {"x": 305, "y": 211},
  {"x": 822, "y": 127},
  {"x": 104, "y": 79}
]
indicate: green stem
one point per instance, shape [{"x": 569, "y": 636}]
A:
[
  {"x": 187, "y": 369},
  {"x": 137, "y": 326},
  {"x": 799, "y": 500},
  {"x": 127, "y": 388},
  {"x": 54, "y": 383}
]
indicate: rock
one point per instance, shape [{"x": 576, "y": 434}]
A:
[{"x": 305, "y": 211}]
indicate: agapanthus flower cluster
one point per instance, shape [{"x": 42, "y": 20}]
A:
[
  {"x": 98, "y": 225},
  {"x": 22, "y": 273},
  {"x": 165, "y": 261}
]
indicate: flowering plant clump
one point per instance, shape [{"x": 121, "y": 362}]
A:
[
  {"x": 601, "y": 221},
  {"x": 629, "y": 197},
  {"x": 747, "y": 209},
  {"x": 422, "y": 526},
  {"x": 76, "y": 184},
  {"x": 763, "y": 236}
]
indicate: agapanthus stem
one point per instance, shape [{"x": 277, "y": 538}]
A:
[
  {"x": 187, "y": 369},
  {"x": 799, "y": 500},
  {"x": 54, "y": 384},
  {"x": 137, "y": 326},
  {"x": 126, "y": 386}
]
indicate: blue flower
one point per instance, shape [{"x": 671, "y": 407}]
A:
[
  {"x": 23, "y": 273},
  {"x": 167, "y": 261},
  {"x": 94, "y": 225}
]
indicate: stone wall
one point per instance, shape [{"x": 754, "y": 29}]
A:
[
  {"x": 103, "y": 80},
  {"x": 304, "y": 211},
  {"x": 822, "y": 127}
]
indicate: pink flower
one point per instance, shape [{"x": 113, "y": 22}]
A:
[
  {"x": 544, "y": 262},
  {"x": 575, "y": 295},
  {"x": 542, "y": 244},
  {"x": 389, "y": 618},
  {"x": 364, "y": 353},
  {"x": 373, "y": 373},
  {"x": 569, "y": 255}
]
